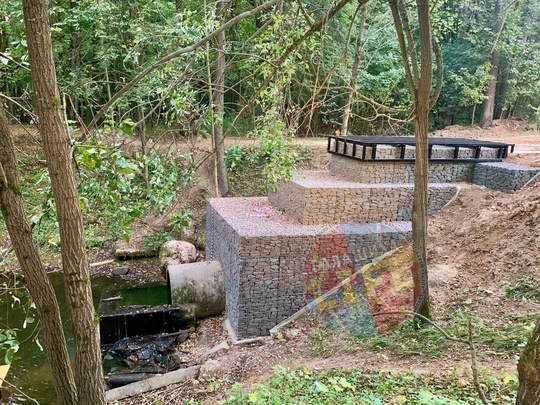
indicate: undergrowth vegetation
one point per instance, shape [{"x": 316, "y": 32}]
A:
[
  {"x": 524, "y": 289},
  {"x": 307, "y": 386},
  {"x": 250, "y": 167},
  {"x": 495, "y": 336},
  {"x": 112, "y": 191}
]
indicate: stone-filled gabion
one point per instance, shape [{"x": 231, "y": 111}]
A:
[
  {"x": 505, "y": 177},
  {"x": 269, "y": 248},
  {"x": 319, "y": 197},
  {"x": 263, "y": 255},
  {"x": 397, "y": 172}
]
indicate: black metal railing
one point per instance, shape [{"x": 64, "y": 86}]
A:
[{"x": 365, "y": 148}]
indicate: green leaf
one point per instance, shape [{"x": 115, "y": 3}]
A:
[
  {"x": 127, "y": 126},
  {"x": 344, "y": 383},
  {"x": 319, "y": 386},
  {"x": 10, "y": 355}
]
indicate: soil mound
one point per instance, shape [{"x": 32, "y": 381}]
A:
[{"x": 483, "y": 240}]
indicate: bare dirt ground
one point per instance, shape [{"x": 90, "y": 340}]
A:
[{"x": 481, "y": 241}]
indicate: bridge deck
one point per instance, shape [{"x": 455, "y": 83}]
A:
[{"x": 365, "y": 148}]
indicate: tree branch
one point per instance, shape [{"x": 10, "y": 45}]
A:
[
  {"x": 177, "y": 54},
  {"x": 402, "y": 47},
  {"x": 317, "y": 26},
  {"x": 501, "y": 26},
  {"x": 410, "y": 41},
  {"x": 26, "y": 110},
  {"x": 440, "y": 69},
  {"x": 5, "y": 55},
  {"x": 469, "y": 342}
]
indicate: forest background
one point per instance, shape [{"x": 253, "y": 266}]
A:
[{"x": 101, "y": 45}]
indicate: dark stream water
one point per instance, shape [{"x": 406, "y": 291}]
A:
[{"x": 32, "y": 374}]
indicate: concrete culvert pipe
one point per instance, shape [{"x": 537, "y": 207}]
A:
[{"x": 199, "y": 284}]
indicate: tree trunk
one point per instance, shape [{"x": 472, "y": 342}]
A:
[
  {"x": 529, "y": 371},
  {"x": 37, "y": 281},
  {"x": 354, "y": 74},
  {"x": 56, "y": 143},
  {"x": 420, "y": 200},
  {"x": 75, "y": 51},
  {"x": 141, "y": 130},
  {"x": 219, "y": 109},
  {"x": 419, "y": 80},
  {"x": 488, "y": 105},
  {"x": 504, "y": 89},
  {"x": 179, "y": 5}
]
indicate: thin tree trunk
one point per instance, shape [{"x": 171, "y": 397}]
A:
[
  {"x": 219, "y": 109},
  {"x": 504, "y": 87},
  {"x": 420, "y": 200},
  {"x": 56, "y": 143},
  {"x": 420, "y": 204},
  {"x": 488, "y": 105},
  {"x": 75, "y": 50},
  {"x": 179, "y": 5},
  {"x": 141, "y": 129},
  {"x": 529, "y": 371},
  {"x": 354, "y": 74},
  {"x": 419, "y": 80},
  {"x": 37, "y": 281}
]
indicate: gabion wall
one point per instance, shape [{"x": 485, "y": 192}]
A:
[{"x": 505, "y": 177}]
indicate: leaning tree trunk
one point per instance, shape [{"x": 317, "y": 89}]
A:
[
  {"x": 37, "y": 281},
  {"x": 529, "y": 371},
  {"x": 56, "y": 143},
  {"x": 218, "y": 103}
]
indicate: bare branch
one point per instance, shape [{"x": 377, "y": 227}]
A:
[
  {"x": 402, "y": 47},
  {"x": 26, "y": 110},
  {"x": 439, "y": 62},
  {"x": 406, "y": 26},
  {"x": 469, "y": 342},
  {"x": 5, "y": 55},
  {"x": 501, "y": 26},
  {"x": 317, "y": 26}
]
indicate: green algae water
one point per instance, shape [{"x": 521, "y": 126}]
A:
[{"x": 31, "y": 374}]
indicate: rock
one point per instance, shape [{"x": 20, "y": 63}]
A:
[
  {"x": 200, "y": 284},
  {"x": 176, "y": 252},
  {"x": 126, "y": 251},
  {"x": 120, "y": 271},
  {"x": 209, "y": 369}
]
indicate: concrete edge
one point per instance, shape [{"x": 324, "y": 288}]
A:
[
  {"x": 151, "y": 383},
  {"x": 458, "y": 192},
  {"x": 234, "y": 338}
]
